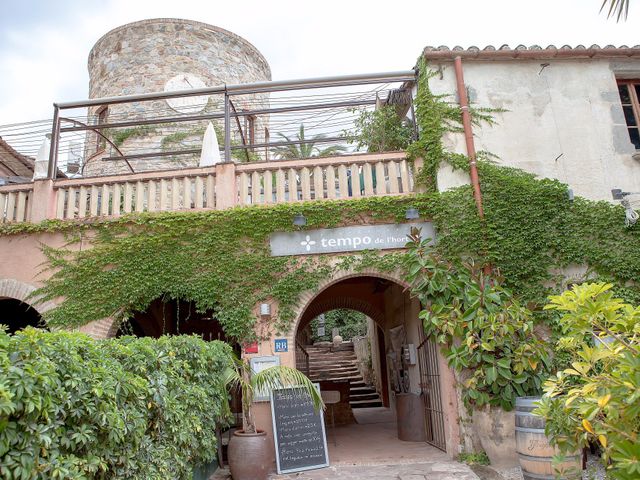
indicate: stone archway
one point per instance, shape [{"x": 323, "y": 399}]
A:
[
  {"x": 17, "y": 309},
  {"x": 15, "y": 289}
]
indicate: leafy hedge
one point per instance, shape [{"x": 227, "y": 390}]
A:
[{"x": 74, "y": 407}]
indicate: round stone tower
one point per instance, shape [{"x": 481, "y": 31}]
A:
[{"x": 162, "y": 55}]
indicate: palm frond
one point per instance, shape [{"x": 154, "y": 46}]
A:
[
  {"x": 617, "y": 8},
  {"x": 283, "y": 376}
]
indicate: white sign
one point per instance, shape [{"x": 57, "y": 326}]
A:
[{"x": 346, "y": 239}]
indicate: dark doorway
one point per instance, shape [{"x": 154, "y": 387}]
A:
[{"x": 17, "y": 315}]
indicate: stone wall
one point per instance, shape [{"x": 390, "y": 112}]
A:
[
  {"x": 562, "y": 119},
  {"x": 141, "y": 57}
]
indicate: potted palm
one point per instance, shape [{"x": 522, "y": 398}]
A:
[{"x": 249, "y": 450}]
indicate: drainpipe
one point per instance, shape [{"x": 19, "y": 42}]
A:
[{"x": 468, "y": 135}]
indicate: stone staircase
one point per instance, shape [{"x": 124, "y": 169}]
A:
[{"x": 328, "y": 363}]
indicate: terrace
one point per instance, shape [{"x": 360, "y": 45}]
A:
[{"x": 213, "y": 148}]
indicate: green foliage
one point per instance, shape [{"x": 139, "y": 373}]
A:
[
  {"x": 486, "y": 334},
  {"x": 474, "y": 458},
  {"x": 349, "y": 323},
  {"x": 380, "y": 130},
  {"x": 239, "y": 375},
  {"x": 220, "y": 260},
  {"x": 74, "y": 407},
  {"x": 118, "y": 137},
  {"x": 307, "y": 148},
  {"x": 598, "y": 397}
]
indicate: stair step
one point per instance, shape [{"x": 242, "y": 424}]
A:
[
  {"x": 366, "y": 403},
  {"x": 359, "y": 390},
  {"x": 364, "y": 396}
]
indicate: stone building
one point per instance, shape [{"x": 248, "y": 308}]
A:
[
  {"x": 160, "y": 55},
  {"x": 560, "y": 115}
]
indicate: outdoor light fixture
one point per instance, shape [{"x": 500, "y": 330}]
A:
[
  {"x": 299, "y": 220},
  {"x": 412, "y": 213},
  {"x": 265, "y": 310},
  {"x": 570, "y": 194}
]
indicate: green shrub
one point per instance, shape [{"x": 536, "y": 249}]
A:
[
  {"x": 348, "y": 322},
  {"x": 74, "y": 407}
]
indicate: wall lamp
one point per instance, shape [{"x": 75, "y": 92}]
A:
[
  {"x": 412, "y": 213},
  {"x": 299, "y": 220}
]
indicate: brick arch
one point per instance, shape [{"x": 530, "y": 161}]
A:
[
  {"x": 307, "y": 298},
  {"x": 11, "y": 288}
]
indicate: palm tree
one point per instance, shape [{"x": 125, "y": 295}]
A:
[
  {"x": 616, "y": 8},
  {"x": 305, "y": 148}
]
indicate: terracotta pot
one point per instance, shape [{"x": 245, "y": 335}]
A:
[{"x": 248, "y": 455}]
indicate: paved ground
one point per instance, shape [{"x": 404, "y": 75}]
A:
[{"x": 371, "y": 450}]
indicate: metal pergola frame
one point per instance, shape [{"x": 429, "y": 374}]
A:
[{"x": 227, "y": 91}]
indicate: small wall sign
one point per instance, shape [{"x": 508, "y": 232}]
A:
[
  {"x": 282, "y": 345},
  {"x": 346, "y": 239},
  {"x": 251, "y": 347}
]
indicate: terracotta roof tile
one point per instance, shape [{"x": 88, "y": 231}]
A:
[
  {"x": 20, "y": 165},
  {"x": 505, "y": 52}
]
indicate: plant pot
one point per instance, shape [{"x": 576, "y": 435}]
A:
[{"x": 248, "y": 455}]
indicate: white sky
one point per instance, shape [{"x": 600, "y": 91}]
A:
[{"x": 44, "y": 44}]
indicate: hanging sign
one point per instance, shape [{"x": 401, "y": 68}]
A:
[
  {"x": 281, "y": 345},
  {"x": 346, "y": 239},
  {"x": 298, "y": 431}
]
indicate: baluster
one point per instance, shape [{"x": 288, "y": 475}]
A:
[
  {"x": 199, "y": 193},
  {"x": 93, "y": 201},
  {"x": 268, "y": 186},
  {"x": 368, "y": 179},
  {"x": 104, "y": 199},
  {"x": 293, "y": 185},
  {"x": 139, "y": 196},
  {"x": 11, "y": 206},
  {"x": 71, "y": 203},
  {"x": 82, "y": 202},
  {"x": 210, "y": 191},
  {"x": 186, "y": 187},
  {"x": 280, "y": 186},
  {"x": 343, "y": 181},
  {"x": 255, "y": 188},
  {"x": 175, "y": 194},
  {"x": 331, "y": 182},
  {"x": 318, "y": 183},
  {"x": 381, "y": 183},
  {"x": 128, "y": 197},
  {"x": 117, "y": 203},
  {"x": 164, "y": 194},
  {"x": 244, "y": 189},
  {"x": 153, "y": 196},
  {"x": 305, "y": 183},
  {"x": 21, "y": 209},
  {"x": 404, "y": 176},
  {"x": 60, "y": 198},
  {"x": 393, "y": 177},
  {"x": 355, "y": 181}
]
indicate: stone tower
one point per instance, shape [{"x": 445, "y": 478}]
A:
[{"x": 161, "y": 55}]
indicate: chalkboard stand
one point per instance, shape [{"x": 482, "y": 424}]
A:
[{"x": 289, "y": 432}]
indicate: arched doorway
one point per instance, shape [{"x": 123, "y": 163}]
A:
[
  {"x": 16, "y": 315},
  {"x": 406, "y": 376}
]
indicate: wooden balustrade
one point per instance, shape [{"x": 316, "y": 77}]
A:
[
  {"x": 344, "y": 177},
  {"x": 15, "y": 203},
  {"x": 221, "y": 186},
  {"x": 144, "y": 192}
]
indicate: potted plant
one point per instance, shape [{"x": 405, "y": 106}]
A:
[{"x": 248, "y": 448}]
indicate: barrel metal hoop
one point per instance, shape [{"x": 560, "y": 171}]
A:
[
  {"x": 530, "y": 430},
  {"x": 543, "y": 459},
  {"x": 527, "y": 414}
]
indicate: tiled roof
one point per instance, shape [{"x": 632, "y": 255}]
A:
[
  {"x": 532, "y": 52},
  {"x": 20, "y": 165}
]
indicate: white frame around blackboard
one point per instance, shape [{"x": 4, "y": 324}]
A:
[{"x": 275, "y": 438}]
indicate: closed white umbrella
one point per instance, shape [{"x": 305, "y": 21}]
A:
[
  {"x": 41, "y": 167},
  {"x": 210, "y": 154}
]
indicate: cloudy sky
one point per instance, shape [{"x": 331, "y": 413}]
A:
[{"x": 44, "y": 44}]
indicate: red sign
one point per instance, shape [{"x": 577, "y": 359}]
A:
[{"x": 251, "y": 347}]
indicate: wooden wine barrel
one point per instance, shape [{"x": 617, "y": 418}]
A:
[{"x": 534, "y": 452}]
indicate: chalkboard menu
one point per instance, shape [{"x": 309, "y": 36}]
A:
[{"x": 298, "y": 431}]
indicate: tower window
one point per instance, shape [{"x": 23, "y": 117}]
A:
[{"x": 629, "y": 93}]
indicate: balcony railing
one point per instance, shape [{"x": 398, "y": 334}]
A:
[
  {"x": 139, "y": 153},
  {"x": 218, "y": 187}
]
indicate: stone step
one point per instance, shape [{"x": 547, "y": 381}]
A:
[
  {"x": 365, "y": 403},
  {"x": 362, "y": 390},
  {"x": 333, "y": 368},
  {"x": 364, "y": 396},
  {"x": 353, "y": 378}
]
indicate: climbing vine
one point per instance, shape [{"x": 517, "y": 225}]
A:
[{"x": 221, "y": 260}]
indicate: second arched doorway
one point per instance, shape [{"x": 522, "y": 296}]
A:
[{"x": 405, "y": 367}]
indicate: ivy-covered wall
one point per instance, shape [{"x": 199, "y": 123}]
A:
[{"x": 220, "y": 259}]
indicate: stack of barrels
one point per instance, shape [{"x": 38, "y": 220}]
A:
[{"x": 534, "y": 452}]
